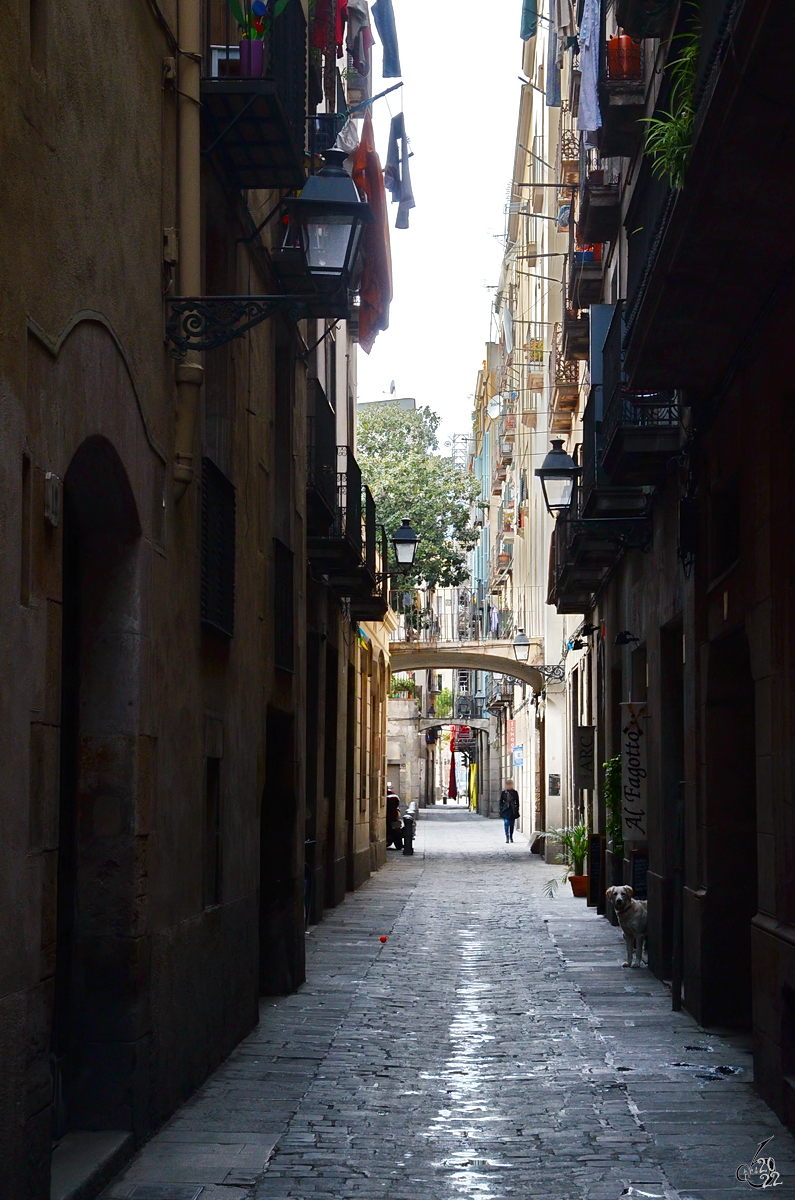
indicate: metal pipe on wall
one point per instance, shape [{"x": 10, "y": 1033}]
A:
[{"x": 189, "y": 373}]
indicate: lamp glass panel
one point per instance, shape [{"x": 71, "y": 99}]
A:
[
  {"x": 404, "y": 552},
  {"x": 558, "y": 489},
  {"x": 522, "y": 651},
  {"x": 327, "y": 243}
]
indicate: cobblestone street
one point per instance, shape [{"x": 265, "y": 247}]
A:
[{"x": 493, "y": 1047}]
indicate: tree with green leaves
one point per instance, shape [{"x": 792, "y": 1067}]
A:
[{"x": 395, "y": 449}]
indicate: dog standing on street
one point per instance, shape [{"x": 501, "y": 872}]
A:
[{"x": 631, "y": 915}]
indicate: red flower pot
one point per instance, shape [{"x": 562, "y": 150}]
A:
[{"x": 579, "y": 885}]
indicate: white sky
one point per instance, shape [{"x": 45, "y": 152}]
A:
[{"x": 460, "y": 63}]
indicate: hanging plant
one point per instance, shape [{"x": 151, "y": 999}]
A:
[
  {"x": 612, "y": 792},
  {"x": 669, "y": 138}
]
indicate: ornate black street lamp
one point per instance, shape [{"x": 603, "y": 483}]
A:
[
  {"x": 405, "y": 541},
  {"x": 315, "y": 265},
  {"x": 521, "y": 646},
  {"x": 558, "y": 474}
]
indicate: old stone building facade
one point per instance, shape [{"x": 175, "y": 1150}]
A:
[{"x": 193, "y": 700}]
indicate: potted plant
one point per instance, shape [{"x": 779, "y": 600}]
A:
[
  {"x": 254, "y": 18},
  {"x": 573, "y": 841}
]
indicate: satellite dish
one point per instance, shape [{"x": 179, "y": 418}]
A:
[{"x": 495, "y": 404}]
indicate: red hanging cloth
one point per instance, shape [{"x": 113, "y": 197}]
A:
[
  {"x": 376, "y": 286},
  {"x": 452, "y": 790}
]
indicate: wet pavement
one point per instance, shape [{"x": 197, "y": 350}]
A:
[{"x": 492, "y": 1047}]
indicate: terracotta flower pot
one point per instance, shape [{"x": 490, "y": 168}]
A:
[{"x": 579, "y": 885}]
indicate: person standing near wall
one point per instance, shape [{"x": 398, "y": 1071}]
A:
[{"x": 509, "y": 808}]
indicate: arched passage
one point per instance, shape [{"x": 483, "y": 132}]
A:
[
  {"x": 460, "y": 657},
  {"x": 99, "y": 1017}
]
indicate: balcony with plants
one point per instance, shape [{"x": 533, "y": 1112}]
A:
[
  {"x": 253, "y": 91},
  {"x": 622, "y": 94}
]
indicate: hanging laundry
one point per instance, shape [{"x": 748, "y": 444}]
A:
[
  {"x": 589, "y": 116},
  {"x": 397, "y": 179},
  {"x": 376, "y": 286},
  {"x": 529, "y": 20},
  {"x": 360, "y": 36},
  {"x": 348, "y": 140},
  {"x": 552, "y": 67},
  {"x": 384, "y": 16},
  {"x": 321, "y": 22},
  {"x": 565, "y": 27}
]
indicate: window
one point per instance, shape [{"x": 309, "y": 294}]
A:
[{"x": 218, "y": 551}]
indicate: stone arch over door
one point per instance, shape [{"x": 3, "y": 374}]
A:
[{"x": 100, "y": 1018}]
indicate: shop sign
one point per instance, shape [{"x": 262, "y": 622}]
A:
[
  {"x": 633, "y": 772},
  {"x": 584, "y": 756},
  {"x": 518, "y": 756}
]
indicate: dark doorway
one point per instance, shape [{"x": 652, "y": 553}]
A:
[
  {"x": 730, "y": 847},
  {"x": 350, "y": 778},
  {"x": 99, "y": 1014},
  {"x": 334, "y": 849},
  {"x": 666, "y": 863},
  {"x": 281, "y": 898}
]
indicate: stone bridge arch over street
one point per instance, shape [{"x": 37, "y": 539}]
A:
[{"x": 496, "y": 656}]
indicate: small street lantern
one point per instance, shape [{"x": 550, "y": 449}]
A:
[
  {"x": 557, "y": 473},
  {"x": 328, "y": 218},
  {"x": 521, "y": 646},
  {"x": 405, "y": 542}
]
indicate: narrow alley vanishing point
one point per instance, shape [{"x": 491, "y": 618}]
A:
[{"x": 492, "y": 1047}]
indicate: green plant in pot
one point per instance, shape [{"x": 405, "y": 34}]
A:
[
  {"x": 669, "y": 133},
  {"x": 573, "y": 841},
  {"x": 254, "y": 19}
]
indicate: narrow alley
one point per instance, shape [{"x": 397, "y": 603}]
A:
[{"x": 492, "y": 1047}]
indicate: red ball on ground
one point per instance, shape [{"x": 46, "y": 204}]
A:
[{"x": 383, "y": 937}]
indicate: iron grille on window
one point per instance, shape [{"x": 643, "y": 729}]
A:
[
  {"x": 283, "y": 616},
  {"x": 218, "y": 551}
]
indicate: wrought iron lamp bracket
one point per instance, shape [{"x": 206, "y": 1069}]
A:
[
  {"x": 552, "y": 672},
  {"x": 204, "y": 322}
]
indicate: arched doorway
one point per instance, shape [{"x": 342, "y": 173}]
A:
[{"x": 99, "y": 1014}]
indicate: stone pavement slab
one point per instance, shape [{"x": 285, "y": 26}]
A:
[{"x": 493, "y": 1047}]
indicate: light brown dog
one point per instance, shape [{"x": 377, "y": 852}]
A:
[{"x": 631, "y": 915}]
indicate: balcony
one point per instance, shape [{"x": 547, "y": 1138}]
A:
[
  {"x": 499, "y": 692},
  {"x": 575, "y": 341},
  {"x": 600, "y": 206},
  {"x": 253, "y": 98},
  {"x": 712, "y": 270},
  {"x": 370, "y": 599},
  {"x": 587, "y": 274},
  {"x": 622, "y": 96},
  {"x": 645, "y": 18},
  {"x": 584, "y": 551},
  {"x": 641, "y": 432},
  {"x": 337, "y": 551},
  {"x": 566, "y": 386},
  {"x": 642, "y": 435},
  {"x": 321, "y": 467},
  {"x": 599, "y": 496}
]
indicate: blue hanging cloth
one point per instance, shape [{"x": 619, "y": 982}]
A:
[
  {"x": 384, "y": 17},
  {"x": 553, "y": 70},
  {"x": 529, "y": 19}
]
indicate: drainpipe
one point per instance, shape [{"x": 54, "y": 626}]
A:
[{"x": 189, "y": 373}]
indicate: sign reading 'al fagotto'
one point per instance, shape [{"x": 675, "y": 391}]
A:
[{"x": 633, "y": 772}]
